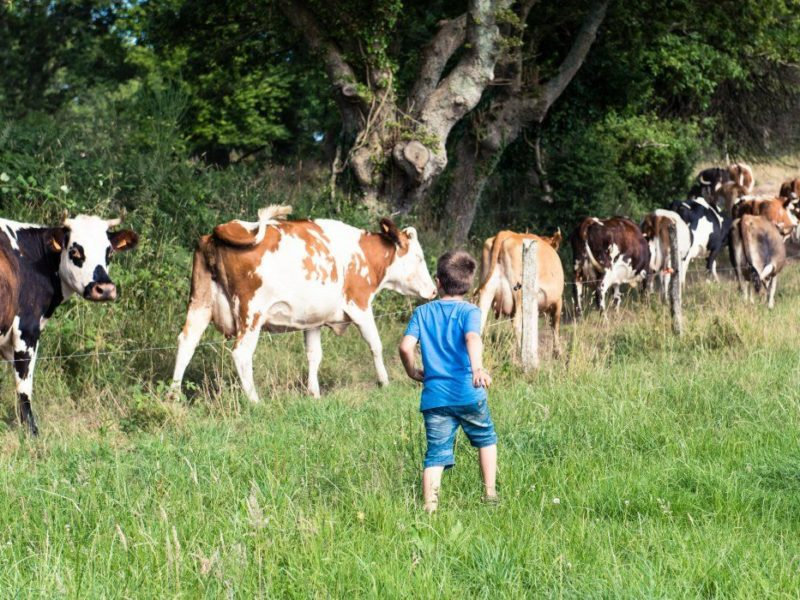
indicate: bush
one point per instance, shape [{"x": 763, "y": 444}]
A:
[{"x": 622, "y": 165}]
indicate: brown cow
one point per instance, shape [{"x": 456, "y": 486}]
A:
[
  {"x": 777, "y": 211},
  {"x": 501, "y": 279},
  {"x": 608, "y": 253},
  {"x": 9, "y": 284},
  {"x": 790, "y": 188},
  {"x": 758, "y": 253}
]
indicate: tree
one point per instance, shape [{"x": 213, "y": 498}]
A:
[
  {"x": 52, "y": 51},
  {"x": 398, "y": 134}
]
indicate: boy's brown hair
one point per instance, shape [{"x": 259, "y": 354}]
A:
[{"x": 455, "y": 271}]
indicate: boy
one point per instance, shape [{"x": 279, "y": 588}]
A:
[{"x": 448, "y": 331}]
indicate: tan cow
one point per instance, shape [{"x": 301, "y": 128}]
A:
[
  {"x": 742, "y": 174},
  {"x": 501, "y": 279},
  {"x": 778, "y": 211},
  {"x": 279, "y": 275},
  {"x": 758, "y": 253}
]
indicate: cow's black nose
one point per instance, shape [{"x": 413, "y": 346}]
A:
[{"x": 102, "y": 292}]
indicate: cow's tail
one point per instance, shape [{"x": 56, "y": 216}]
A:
[
  {"x": 268, "y": 216},
  {"x": 494, "y": 258}
]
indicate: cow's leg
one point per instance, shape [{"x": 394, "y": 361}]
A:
[
  {"x": 578, "y": 291},
  {"x": 369, "y": 331},
  {"x": 555, "y": 321},
  {"x": 711, "y": 264},
  {"x": 243, "y": 351},
  {"x": 313, "y": 338},
  {"x": 602, "y": 288},
  {"x": 617, "y": 297},
  {"x": 197, "y": 320},
  {"x": 487, "y": 294},
  {"x": 24, "y": 361},
  {"x": 665, "y": 277},
  {"x": 773, "y": 284}
]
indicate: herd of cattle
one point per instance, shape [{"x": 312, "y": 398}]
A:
[{"x": 279, "y": 275}]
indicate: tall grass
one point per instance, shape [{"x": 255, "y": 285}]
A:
[{"x": 639, "y": 465}]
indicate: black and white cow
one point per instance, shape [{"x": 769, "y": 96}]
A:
[
  {"x": 52, "y": 264},
  {"x": 709, "y": 228}
]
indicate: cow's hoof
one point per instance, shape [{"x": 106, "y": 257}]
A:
[{"x": 383, "y": 383}]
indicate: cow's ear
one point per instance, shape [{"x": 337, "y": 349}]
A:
[
  {"x": 55, "y": 239},
  {"x": 389, "y": 231},
  {"x": 410, "y": 232},
  {"x": 124, "y": 239}
]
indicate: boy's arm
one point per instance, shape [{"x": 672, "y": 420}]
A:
[
  {"x": 407, "y": 346},
  {"x": 480, "y": 377}
]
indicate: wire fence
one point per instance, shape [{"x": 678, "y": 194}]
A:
[{"x": 222, "y": 343}]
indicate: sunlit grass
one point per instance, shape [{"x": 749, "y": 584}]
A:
[{"x": 674, "y": 463}]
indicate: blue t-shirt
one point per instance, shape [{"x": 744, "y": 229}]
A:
[{"x": 441, "y": 327}]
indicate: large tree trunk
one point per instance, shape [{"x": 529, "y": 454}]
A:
[
  {"x": 472, "y": 166},
  {"x": 510, "y": 112},
  {"x": 399, "y": 154}
]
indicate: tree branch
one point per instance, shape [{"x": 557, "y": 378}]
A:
[
  {"x": 461, "y": 90},
  {"x": 352, "y": 105},
  {"x": 437, "y": 53},
  {"x": 555, "y": 86}
]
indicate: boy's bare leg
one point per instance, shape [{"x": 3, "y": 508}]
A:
[
  {"x": 431, "y": 482},
  {"x": 488, "y": 459}
]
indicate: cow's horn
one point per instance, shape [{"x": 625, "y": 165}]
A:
[
  {"x": 703, "y": 181},
  {"x": 113, "y": 222},
  {"x": 65, "y": 220}
]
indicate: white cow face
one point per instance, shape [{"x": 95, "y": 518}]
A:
[
  {"x": 86, "y": 248},
  {"x": 408, "y": 274}
]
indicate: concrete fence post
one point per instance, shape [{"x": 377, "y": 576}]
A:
[
  {"x": 530, "y": 306},
  {"x": 675, "y": 280}
]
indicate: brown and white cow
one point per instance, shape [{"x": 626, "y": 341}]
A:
[
  {"x": 758, "y": 253},
  {"x": 778, "y": 211},
  {"x": 608, "y": 253},
  {"x": 501, "y": 280},
  {"x": 790, "y": 188},
  {"x": 655, "y": 229},
  {"x": 282, "y": 275}
]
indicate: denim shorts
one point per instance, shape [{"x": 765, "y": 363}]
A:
[{"x": 442, "y": 423}]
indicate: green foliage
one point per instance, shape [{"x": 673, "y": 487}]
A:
[
  {"x": 623, "y": 165},
  {"x": 52, "y": 52}
]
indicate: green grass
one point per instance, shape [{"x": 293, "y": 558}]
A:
[{"x": 675, "y": 463}]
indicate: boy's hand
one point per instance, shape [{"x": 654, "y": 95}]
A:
[
  {"x": 418, "y": 375},
  {"x": 481, "y": 378}
]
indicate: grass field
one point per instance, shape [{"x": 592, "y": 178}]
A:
[{"x": 640, "y": 466}]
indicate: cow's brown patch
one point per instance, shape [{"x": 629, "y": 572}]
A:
[
  {"x": 235, "y": 234},
  {"x": 317, "y": 250},
  {"x": 364, "y": 274},
  {"x": 9, "y": 284}
]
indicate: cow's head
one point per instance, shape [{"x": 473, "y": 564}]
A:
[
  {"x": 408, "y": 274},
  {"x": 86, "y": 246}
]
